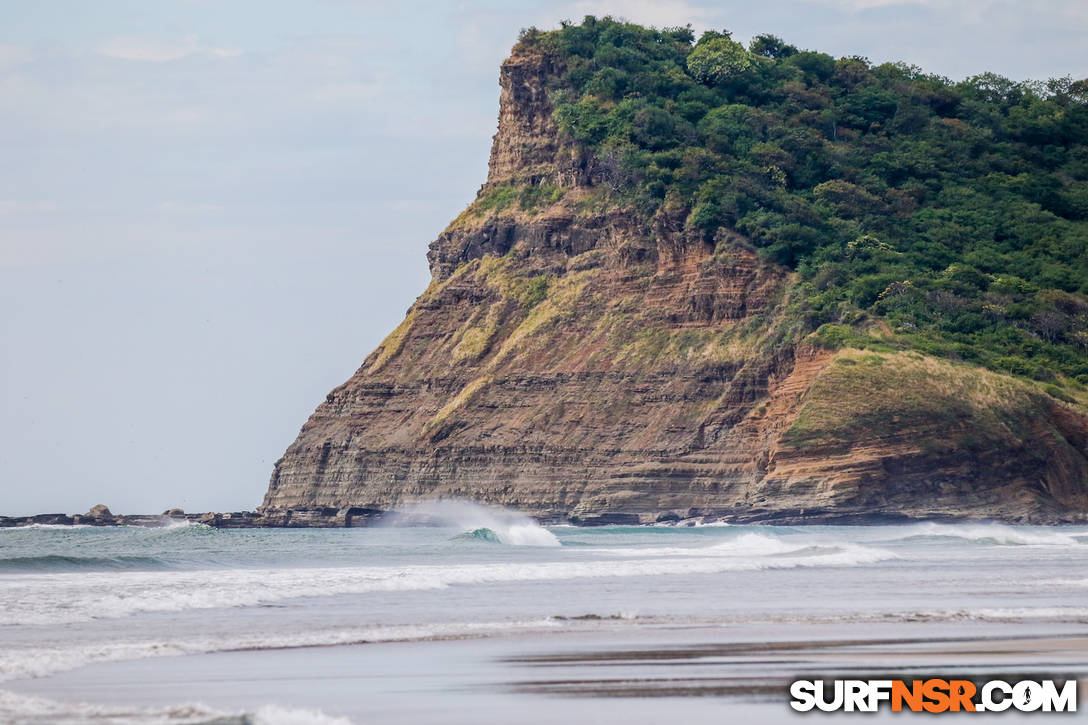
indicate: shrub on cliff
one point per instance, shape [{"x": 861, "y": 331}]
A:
[
  {"x": 956, "y": 211},
  {"x": 717, "y": 58}
]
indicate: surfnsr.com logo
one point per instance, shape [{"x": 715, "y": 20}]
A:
[{"x": 934, "y": 695}]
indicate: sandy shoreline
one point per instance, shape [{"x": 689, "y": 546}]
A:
[
  {"x": 650, "y": 671},
  {"x": 620, "y": 672}
]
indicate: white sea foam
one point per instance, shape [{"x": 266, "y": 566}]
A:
[
  {"x": 61, "y": 527},
  {"x": 749, "y": 544},
  {"x": 165, "y": 524},
  {"x": 1001, "y": 614},
  {"x": 171, "y": 523},
  {"x": 511, "y": 527},
  {"x": 56, "y": 598},
  {"x": 1075, "y": 583},
  {"x": 276, "y": 715},
  {"x": 19, "y": 663},
  {"x": 16, "y": 708},
  {"x": 991, "y": 533}
]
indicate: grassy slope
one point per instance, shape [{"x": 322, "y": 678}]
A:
[{"x": 944, "y": 406}]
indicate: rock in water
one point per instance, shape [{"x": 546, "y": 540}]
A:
[
  {"x": 574, "y": 359},
  {"x": 100, "y": 512}
]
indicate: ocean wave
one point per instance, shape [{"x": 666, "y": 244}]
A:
[
  {"x": 35, "y": 662},
  {"x": 985, "y": 533},
  {"x": 276, "y": 715},
  {"x": 16, "y": 708},
  {"x": 182, "y": 525},
  {"x": 748, "y": 544},
  {"x": 46, "y": 527},
  {"x": 999, "y": 614},
  {"x": 487, "y": 523},
  {"x": 481, "y": 535},
  {"x": 1075, "y": 583},
  {"x": 165, "y": 525},
  {"x": 56, "y": 598},
  {"x": 60, "y": 562},
  {"x": 1003, "y": 615},
  {"x": 512, "y": 534}
]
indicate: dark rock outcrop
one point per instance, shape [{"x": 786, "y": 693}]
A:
[{"x": 297, "y": 518}]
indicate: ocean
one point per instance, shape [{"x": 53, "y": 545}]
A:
[{"x": 488, "y": 617}]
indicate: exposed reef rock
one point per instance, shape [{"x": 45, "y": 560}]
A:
[
  {"x": 577, "y": 361},
  {"x": 312, "y": 518}
]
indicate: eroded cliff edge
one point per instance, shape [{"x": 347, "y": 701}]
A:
[{"x": 575, "y": 360}]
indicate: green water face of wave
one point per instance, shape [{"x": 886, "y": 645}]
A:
[{"x": 483, "y": 534}]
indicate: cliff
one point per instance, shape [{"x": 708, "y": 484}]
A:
[{"x": 579, "y": 359}]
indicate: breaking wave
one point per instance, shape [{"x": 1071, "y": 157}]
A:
[
  {"x": 46, "y": 527},
  {"x": 483, "y": 523},
  {"x": 481, "y": 535},
  {"x": 987, "y": 533},
  {"x": 106, "y": 595},
  {"x": 748, "y": 544}
]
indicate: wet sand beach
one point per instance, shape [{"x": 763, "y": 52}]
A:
[{"x": 630, "y": 672}]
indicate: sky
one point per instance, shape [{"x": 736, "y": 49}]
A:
[{"x": 212, "y": 210}]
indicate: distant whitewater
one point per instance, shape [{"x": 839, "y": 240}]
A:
[{"x": 482, "y": 523}]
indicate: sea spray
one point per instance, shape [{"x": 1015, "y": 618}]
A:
[{"x": 483, "y": 523}]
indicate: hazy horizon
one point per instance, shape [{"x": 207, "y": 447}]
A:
[{"x": 213, "y": 213}]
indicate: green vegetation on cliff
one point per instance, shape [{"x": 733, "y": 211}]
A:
[{"x": 920, "y": 213}]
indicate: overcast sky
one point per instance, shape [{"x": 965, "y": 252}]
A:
[{"x": 212, "y": 210}]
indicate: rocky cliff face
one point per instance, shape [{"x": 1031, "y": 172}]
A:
[{"x": 575, "y": 360}]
